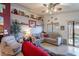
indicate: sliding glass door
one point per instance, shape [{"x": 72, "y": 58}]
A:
[
  {"x": 76, "y": 33},
  {"x": 70, "y": 29},
  {"x": 73, "y": 28}
]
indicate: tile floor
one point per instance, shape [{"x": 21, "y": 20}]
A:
[{"x": 62, "y": 49}]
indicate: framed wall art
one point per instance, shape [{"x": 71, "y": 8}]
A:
[
  {"x": 62, "y": 28},
  {"x": 32, "y": 23}
]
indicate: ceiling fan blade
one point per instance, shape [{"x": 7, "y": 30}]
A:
[
  {"x": 55, "y": 4},
  {"x": 45, "y": 5}
]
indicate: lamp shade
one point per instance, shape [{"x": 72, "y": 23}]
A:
[{"x": 5, "y": 32}]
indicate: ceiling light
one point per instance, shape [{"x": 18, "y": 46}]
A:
[{"x": 55, "y": 10}]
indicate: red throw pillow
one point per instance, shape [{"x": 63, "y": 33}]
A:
[{"x": 46, "y": 35}]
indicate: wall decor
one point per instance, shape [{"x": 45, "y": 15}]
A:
[
  {"x": 62, "y": 28},
  {"x": 32, "y": 16},
  {"x": 22, "y": 13},
  {"x": 14, "y": 11},
  {"x": 39, "y": 18},
  {"x": 27, "y": 16},
  {"x": 19, "y": 12},
  {"x": 32, "y": 23}
]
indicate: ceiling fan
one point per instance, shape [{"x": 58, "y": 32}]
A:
[{"x": 51, "y": 7}]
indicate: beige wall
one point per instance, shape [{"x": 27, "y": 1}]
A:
[
  {"x": 62, "y": 19},
  {"x": 22, "y": 19}
]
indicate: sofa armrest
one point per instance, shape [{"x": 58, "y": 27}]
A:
[{"x": 59, "y": 40}]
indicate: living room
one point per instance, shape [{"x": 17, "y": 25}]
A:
[{"x": 51, "y": 28}]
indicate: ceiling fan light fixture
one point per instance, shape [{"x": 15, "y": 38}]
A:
[
  {"x": 55, "y": 10},
  {"x": 50, "y": 12},
  {"x": 46, "y": 5},
  {"x": 51, "y": 7}
]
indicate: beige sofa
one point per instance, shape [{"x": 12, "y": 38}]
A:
[{"x": 54, "y": 38}]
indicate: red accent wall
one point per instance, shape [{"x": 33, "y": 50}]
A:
[{"x": 6, "y": 15}]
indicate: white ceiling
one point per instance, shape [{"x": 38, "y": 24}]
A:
[{"x": 38, "y": 8}]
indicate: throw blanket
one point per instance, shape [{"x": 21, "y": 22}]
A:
[
  {"x": 29, "y": 49},
  {"x": 9, "y": 41}
]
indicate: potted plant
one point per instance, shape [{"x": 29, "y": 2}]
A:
[{"x": 15, "y": 28}]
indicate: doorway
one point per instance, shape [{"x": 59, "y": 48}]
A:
[{"x": 73, "y": 28}]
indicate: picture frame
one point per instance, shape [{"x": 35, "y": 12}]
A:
[
  {"x": 62, "y": 28},
  {"x": 32, "y": 23}
]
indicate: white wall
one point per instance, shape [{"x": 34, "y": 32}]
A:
[
  {"x": 22, "y": 19},
  {"x": 63, "y": 19}
]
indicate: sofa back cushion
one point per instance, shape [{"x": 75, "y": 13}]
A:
[{"x": 53, "y": 35}]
